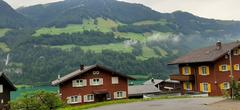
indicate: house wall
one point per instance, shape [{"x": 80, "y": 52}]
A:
[
  {"x": 67, "y": 90},
  {"x": 215, "y": 78},
  {"x": 5, "y": 96}
]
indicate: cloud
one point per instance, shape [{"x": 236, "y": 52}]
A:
[{"x": 21, "y": 3}]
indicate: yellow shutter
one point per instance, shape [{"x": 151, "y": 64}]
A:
[
  {"x": 183, "y": 72},
  {"x": 221, "y": 86},
  {"x": 201, "y": 87},
  {"x": 220, "y": 67},
  {"x": 208, "y": 71},
  {"x": 209, "y": 88},
  {"x": 228, "y": 67},
  {"x": 184, "y": 86},
  {"x": 190, "y": 86},
  {"x": 189, "y": 71},
  {"x": 236, "y": 66},
  {"x": 200, "y": 70}
]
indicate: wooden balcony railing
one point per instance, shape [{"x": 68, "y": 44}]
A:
[{"x": 182, "y": 77}]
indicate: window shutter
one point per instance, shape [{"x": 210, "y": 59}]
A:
[
  {"x": 183, "y": 72},
  {"x": 208, "y": 70},
  {"x": 101, "y": 81},
  {"x": 221, "y": 86},
  {"x": 220, "y": 67},
  {"x": 68, "y": 100},
  {"x": 84, "y": 82},
  {"x": 189, "y": 71},
  {"x": 91, "y": 81},
  {"x": 1, "y": 88},
  {"x": 115, "y": 95},
  {"x": 209, "y": 88},
  {"x": 74, "y": 83},
  {"x": 201, "y": 87},
  {"x": 184, "y": 86},
  {"x": 85, "y": 98},
  {"x": 190, "y": 86},
  {"x": 79, "y": 99},
  {"x": 124, "y": 94},
  {"x": 200, "y": 70},
  {"x": 228, "y": 67}
]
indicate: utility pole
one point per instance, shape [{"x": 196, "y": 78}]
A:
[{"x": 231, "y": 71}]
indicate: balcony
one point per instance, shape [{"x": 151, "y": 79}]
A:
[{"x": 182, "y": 77}]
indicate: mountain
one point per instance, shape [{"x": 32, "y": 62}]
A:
[
  {"x": 129, "y": 38},
  {"x": 9, "y": 18}
]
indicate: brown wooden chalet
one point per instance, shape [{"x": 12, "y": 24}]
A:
[
  {"x": 6, "y": 87},
  {"x": 91, "y": 84},
  {"x": 207, "y": 70}
]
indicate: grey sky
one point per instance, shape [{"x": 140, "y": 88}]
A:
[{"x": 218, "y": 9}]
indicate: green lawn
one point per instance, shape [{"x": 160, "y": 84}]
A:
[
  {"x": 103, "y": 25},
  {"x": 88, "y": 106},
  {"x": 119, "y": 47},
  {"x": 149, "y": 22},
  {"x": 3, "y": 32},
  {"x": 4, "y": 47},
  {"x": 147, "y": 53},
  {"x": 132, "y": 36}
]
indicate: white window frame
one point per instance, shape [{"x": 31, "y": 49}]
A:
[
  {"x": 96, "y": 72},
  {"x": 236, "y": 52},
  {"x": 225, "y": 65},
  {"x": 186, "y": 72},
  {"x": 238, "y": 65},
  {"x": 74, "y": 99},
  {"x": 115, "y": 80},
  {"x": 202, "y": 67},
  {"x": 1, "y": 88},
  {"x": 79, "y": 83},
  {"x": 226, "y": 85},
  {"x": 119, "y": 94},
  {"x": 89, "y": 98},
  {"x": 205, "y": 85},
  {"x": 96, "y": 81}
]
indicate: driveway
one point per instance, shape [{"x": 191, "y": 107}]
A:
[{"x": 167, "y": 104}]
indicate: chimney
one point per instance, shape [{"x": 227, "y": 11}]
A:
[
  {"x": 219, "y": 45},
  {"x": 59, "y": 77},
  {"x": 153, "y": 80},
  {"x": 81, "y": 67}
]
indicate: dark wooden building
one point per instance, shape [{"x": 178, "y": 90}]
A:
[
  {"x": 207, "y": 70},
  {"x": 90, "y": 84},
  {"x": 6, "y": 87}
]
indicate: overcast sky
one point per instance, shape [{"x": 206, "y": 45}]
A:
[{"x": 218, "y": 9}]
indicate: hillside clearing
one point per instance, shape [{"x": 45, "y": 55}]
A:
[
  {"x": 149, "y": 22},
  {"x": 4, "y": 31}
]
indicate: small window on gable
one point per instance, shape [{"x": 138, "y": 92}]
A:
[
  {"x": 1, "y": 88},
  {"x": 224, "y": 67},
  {"x": 96, "y": 72},
  {"x": 186, "y": 70},
  {"x": 114, "y": 80}
]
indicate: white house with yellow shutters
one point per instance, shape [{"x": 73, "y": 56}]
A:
[{"x": 207, "y": 70}]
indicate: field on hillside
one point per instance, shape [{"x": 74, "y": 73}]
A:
[{"x": 3, "y": 32}]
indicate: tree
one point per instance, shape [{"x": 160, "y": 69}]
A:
[{"x": 39, "y": 100}]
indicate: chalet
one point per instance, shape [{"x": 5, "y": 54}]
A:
[
  {"x": 91, "y": 84},
  {"x": 5, "y": 88},
  {"x": 208, "y": 70},
  {"x": 164, "y": 85}
]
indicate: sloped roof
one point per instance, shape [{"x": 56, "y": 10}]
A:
[
  {"x": 156, "y": 81},
  {"x": 11, "y": 85},
  {"x": 171, "y": 81},
  {"x": 86, "y": 69},
  {"x": 142, "y": 89},
  {"x": 207, "y": 54}
]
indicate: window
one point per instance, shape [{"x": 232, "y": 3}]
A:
[
  {"x": 89, "y": 98},
  {"x": 1, "y": 88},
  {"x": 119, "y": 94},
  {"x": 114, "y": 80},
  {"x": 79, "y": 82},
  {"x": 236, "y": 67},
  {"x": 236, "y": 52},
  {"x": 74, "y": 99},
  {"x": 188, "y": 86},
  {"x": 205, "y": 87},
  {"x": 96, "y": 72},
  {"x": 224, "y": 67},
  {"x": 96, "y": 81},
  {"x": 186, "y": 70},
  {"x": 226, "y": 85}
]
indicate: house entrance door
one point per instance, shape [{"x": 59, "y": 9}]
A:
[{"x": 100, "y": 97}]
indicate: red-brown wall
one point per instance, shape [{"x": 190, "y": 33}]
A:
[
  {"x": 67, "y": 90},
  {"x": 215, "y": 78}
]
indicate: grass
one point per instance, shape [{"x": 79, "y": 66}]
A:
[
  {"x": 119, "y": 47},
  {"x": 149, "y": 22},
  {"x": 3, "y": 32},
  {"x": 147, "y": 53},
  {"x": 88, "y": 106},
  {"x": 103, "y": 25},
  {"x": 132, "y": 36},
  {"x": 4, "y": 47}
]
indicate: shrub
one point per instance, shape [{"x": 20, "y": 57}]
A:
[{"x": 39, "y": 100}]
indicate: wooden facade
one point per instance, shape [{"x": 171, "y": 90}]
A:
[
  {"x": 111, "y": 86},
  {"x": 5, "y": 88},
  {"x": 210, "y": 76}
]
